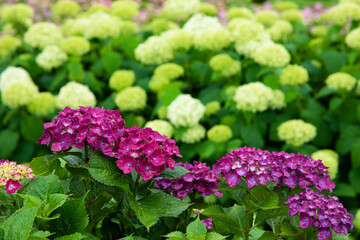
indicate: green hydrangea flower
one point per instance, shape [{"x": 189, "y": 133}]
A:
[
  {"x": 219, "y": 133},
  {"x": 131, "y": 99},
  {"x": 17, "y": 13},
  {"x": 284, "y": 5},
  {"x": 212, "y": 107},
  {"x": 244, "y": 30},
  {"x": 129, "y": 27},
  {"x": 180, "y": 9},
  {"x": 330, "y": 159},
  {"x": 239, "y": 12},
  {"x": 42, "y": 104},
  {"x": 65, "y": 9},
  {"x": 224, "y": 64},
  {"x": 75, "y": 27},
  {"x": 74, "y": 94},
  {"x": 296, "y": 132},
  {"x": 155, "y": 50},
  {"x": 51, "y": 57},
  {"x": 278, "y": 100},
  {"x": 356, "y": 220},
  {"x": 158, "y": 83},
  {"x": 292, "y": 15},
  {"x": 8, "y": 45},
  {"x": 161, "y": 126},
  {"x": 212, "y": 39},
  {"x": 179, "y": 39},
  {"x": 272, "y": 55},
  {"x": 169, "y": 70},
  {"x": 294, "y": 75},
  {"x": 208, "y": 9},
  {"x": 267, "y": 17},
  {"x": 102, "y": 25},
  {"x": 121, "y": 79},
  {"x": 162, "y": 112},
  {"x": 75, "y": 45},
  {"x": 19, "y": 94},
  {"x": 193, "y": 134},
  {"x": 353, "y": 39},
  {"x": 43, "y": 34},
  {"x": 14, "y": 74},
  {"x": 160, "y": 25},
  {"x": 124, "y": 9},
  {"x": 342, "y": 82},
  {"x": 340, "y": 14},
  {"x": 280, "y": 30}
]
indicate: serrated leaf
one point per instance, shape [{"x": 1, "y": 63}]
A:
[
  {"x": 104, "y": 169},
  {"x": 75, "y": 236},
  {"x": 43, "y": 186},
  {"x": 55, "y": 201},
  {"x": 30, "y": 201},
  {"x": 177, "y": 172},
  {"x": 214, "y": 236},
  {"x": 45, "y": 165},
  {"x": 18, "y": 226},
  {"x": 267, "y": 236},
  {"x": 218, "y": 215},
  {"x": 176, "y": 236},
  {"x": 196, "y": 230},
  {"x": 74, "y": 217}
]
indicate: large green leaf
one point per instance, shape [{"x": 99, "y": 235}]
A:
[
  {"x": 19, "y": 225},
  {"x": 214, "y": 236},
  {"x": 54, "y": 201},
  {"x": 334, "y": 60},
  {"x": 45, "y": 165},
  {"x": 196, "y": 230},
  {"x": 348, "y": 137},
  {"x": 217, "y": 213},
  {"x": 75, "y": 236},
  {"x": 252, "y": 136},
  {"x": 176, "y": 236},
  {"x": 8, "y": 142},
  {"x": 32, "y": 128},
  {"x": 44, "y": 186},
  {"x": 177, "y": 172},
  {"x": 112, "y": 61}
]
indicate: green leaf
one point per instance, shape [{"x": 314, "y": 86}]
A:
[
  {"x": 30, "y": 201},
  {"x": 335, "y": 103},
  {"x": 218, "y": 215},
  {"x": 75, "y": 236},
  {"x": 76, "y": 70},
  {"x": 55, "y": 201},
  {"x": 171, "y": 91},
  {"x": 267, "y": 236},
  {"x": 348, "y": 137},
  {"x": 325, "y": 91},
  {"x": 177, "y": 172},
  {"x": 8, "y": 142},
  {"x": 233, "y": 144},
  {"x": 354, "y": 178},
  {"x": 176, "y": 236},
  {"x": 32, "y": 128},
  {"x": 19, "y": 225},
  {"x": 39, "y": 235},
  {"x": 43, "y": 186},
  {"x": 196, "y": 230},
  {"x": 112, "y": 61},
  {"x": 291, "y": 94},
  {"x": 104, "y": 169},
  {"x": 252, "y": 137},
  {"x": 344, "y": 190},
  {"x": 210, "y": 93},
  {"x": 256, "y": 233},
  {"x": 44, "y": 165},
  {"x": 73, "y": 217},
  {"x": 334, "y": 60},
  {"x": 206, "y": 148},
  {"x": 214, "y": 236},
  {"x": 170, "y": 206},
  {"x": 355, "y": 154}
]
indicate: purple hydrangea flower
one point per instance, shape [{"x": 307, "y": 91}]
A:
[
  {"x": 97, "y": 127},
  {"x": 258, "y": 167},
  {"x": 208, "y": 223},
  {"x": 146, "y": 151},
  {"x": 321, "y": 212},
  {"x": 200, "y": 178}
]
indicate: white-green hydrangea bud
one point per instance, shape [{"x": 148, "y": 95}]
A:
[
  {"x": 65, "y": 9},
  {"x": 14, "y": 74},
  {"x": 292, "y": 15},
  {"x": 330, "y": 159},
  {"x": 162, "y": 112},
  {"x": 253, "y": 97},
  {"x": 296, "y": 132},
  {"x": 212, "y": 107},
  {"x": 294, "y": 75},
  {"x": 170, "y": 70},
  {"x": 230, "y": 91},
  {"x": 160, "y": 25},
  {"x": 339, "y": 14},
  {"x": 155, "y": 50},
  {"x": 139, "y": 121},
  {"x": 43, "y": 34},
  {"x": 73, "y": 95},
  {"x": 239, "y": 12},
  {"x": 280, "y": 30},
  {"x": 193, "y": 134},
  {"x": 200, "y": 22},
  {"x": 219, "y": 133},
  {"x": 353, "y": 39},
  {"x": 131, "y": 99},
  {"x": 244, "y": 30},
  {"x": 284, "y": 5},
  {"x": 17, "y": 13},
  {"x": 185, "y": 111},
  {"x": 319, "y": 31},
  {"x": 19, "y": 94},
  {"x": 51, "y": 57},
  {"x": 272, "y": 55},
  {"x": 356, "y": 220},
  {"x": 124, "y": 9},
  {"x": 278, "y": 100},
  {"x": 129, "y": 27},
  {"x": 208, "y": 9},
  {"x": 121, "y": 79},
  {"x": 8, "y": 45},
  {"x": 340, "y": 81},
  {"x": 179, "y": 39},
  {"x": 42, "y": 104},
  {"x": 161, "y": 126},
  {"x": 75, "y": 27},
  {"x": 158, "y": 83},
  {"x": 102, "y": 25},
  {"x": 75, "y": 45},
  {"x": 267, "y": 17},
  {"x": 249, "y": 48},
  {"x": 224, "y": 64},
  {"x": 212, "y": 39},
  {"x": 180, "y": 9}
]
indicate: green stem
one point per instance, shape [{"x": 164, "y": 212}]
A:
[
  {"x": 86, "y": 153},
  {"x": 247, "y": 224},
  {"x": 136, "y": 186}
]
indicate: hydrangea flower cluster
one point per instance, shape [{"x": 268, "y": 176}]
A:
[
  {"x": 17, "y": 13},
  {"x": 244, "y": 30},
  {"x": 239, "y": 12},
  {"x": 74, "y": 94},
  {"x": 224, "y": 64},
  {"x": 169, "y": 70},
  {"x": 258, "y": 167},
  {"x": 97, "y": 127},
  {"x": 267, "y": 17},
  {"x": 51, "y": 57},
  {"x": 65, "y": 9},
  {"x": 292, "y": 15},
  {"x": 341, "y": 81},
  {"x": 175, "y": 9},
  {"x": 280, "y": 30},
  {"x": 272, "y": 55},
  {"x": 321, "y": 212},
  {"x": 42, "y": 104},
  {"x": 146, "y": 151},
  {"x": 200, "y": 178},
  {"x": 219, "y": 133},
  {"x": 294, "y": 74},
  {"x": 159, "y": 25},
  {"x": 8, "y": 45},
  {"x": 131, "y": 99},
  {"x": 330, "y": 159},
  {"x": 124, "y": 9},
  {"x": 75, "y": 45},
  {"x": 161, "y": 126},
  {"x": 353, "y": 39},
  {"x": 121, "y": 79},
  {"x": 13, "y": 74},
  {"x": 155, "y": 50},
  {"x": 179, "y": 39},
  {"x": 101, "y": 25},
  {"x": 296, "y": 132},
  {"x": 11, "y": 173},
  {"x": 341, "y": 13},
  {"x": 193, "y": 134},
  {"x": 43, "y": 34}
]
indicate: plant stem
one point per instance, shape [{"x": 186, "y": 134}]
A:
[
  {"x": 247, "y": 224},
  {"x": 86, "y": 153},
  {"x": 136, "y": 186}
]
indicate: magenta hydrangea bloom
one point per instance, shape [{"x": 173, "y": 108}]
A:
[
  {"x": 200, "y": 178},
  {"x": 146, "y": 151},
  {"x": 208, "y": 223},
  {"x": 321, "y": 212},
  {"x": 12, "y": 186},
  {"x": 97, "y": 127},
  {"x": 258, "y": 167}
]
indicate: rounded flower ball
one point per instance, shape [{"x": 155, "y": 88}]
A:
[
  {"x": 330, "y": 159},
  {"x": 65, "y": 8},
  {"x": 356, "y": 221},
  {"x": 158, "y": 83},
  {"x": 219, "y": 133},
  {"x": 224, "y": 64},
  {"x": 244, "y": 30},
  {"x": 193, "y": 134},
  {"x": 353, "y": 39},
  {"x": 212, "y": 107},
  {"x": 17, "y": 13},
  {"x": 341, "y": 13},
  {"x": 161, "y": 126},
  {"x": 179, "y": 39},
  {"x": 180, "y": 9},
  {"x": 159, "y": 25},
  {"x": 124, "y": 9},
  {"x": 131, "y": 99},
  {"x": 239, "y": 12},
  {"x": 212, "y": 39},
  {"x": 284, "y": 5},
  {"x": 294, "y": 75},
  {"x": 278, "y": 100},
  {"x": 292, "y": 15},
  {"x": 75, "y": 27},
  {"x": 74, "y": 95},
  {"x": 75, "y": 45},
  {"x": 121, "y": 79},
  {"x": 42, "y": 104},
  {"x": 169, "y": 70},
  {"x": 8, "y": 45},
  {"x": 185, "y": 111},
  {"x": 272, "y": 55},
  {"x": 253, "y": 97},
  {"x": 51, "y": 57},
  {"x": 102, "y": 25},
  {"x": 208, "y": 9},
  {"x": 341, "y": 81},
  {"x": 12, "y": 75},
  {"x": 155, "y": 50},
  {"x": 43, "y": 34},
  {"x": 11, "y": 173},
  {"x": 267, "y": 17},
  {"x": 280, "y": 30},
  {"x": 296, "y": 132},
  {"x": 19, "y": 94}
]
